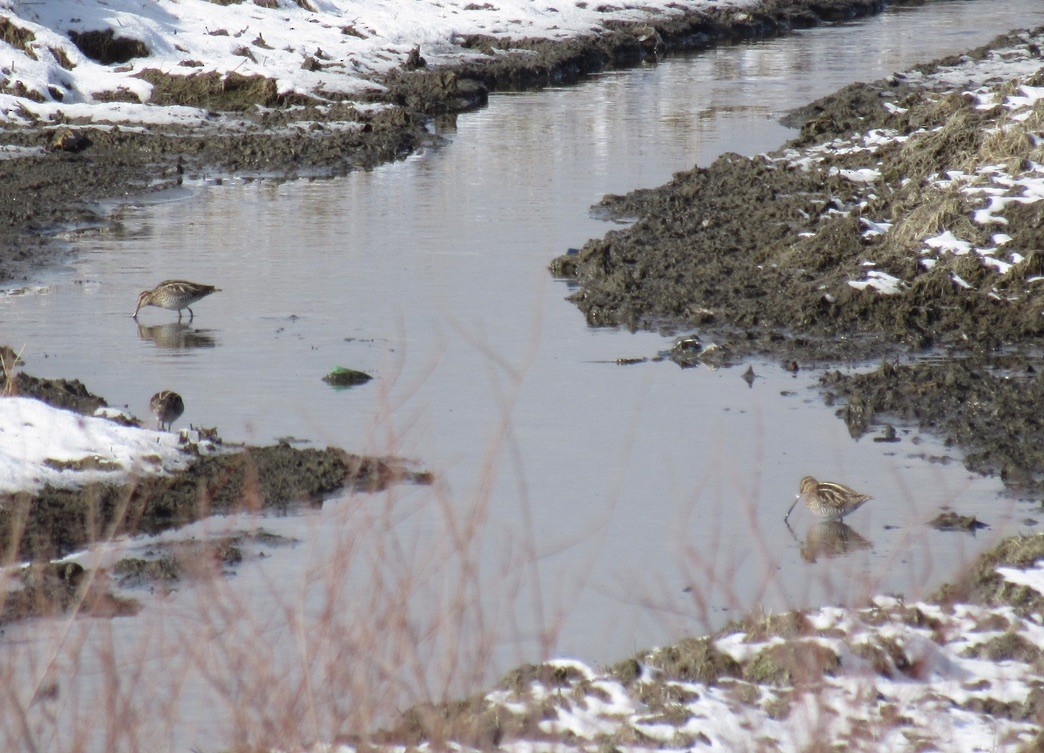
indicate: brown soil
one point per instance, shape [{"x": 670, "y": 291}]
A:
[
  {"x": 62, "y": 187},
  {"x": 759, "y": 280},
  {"x": 54, "y": 522},
  {"x": 772, "y": 279}
]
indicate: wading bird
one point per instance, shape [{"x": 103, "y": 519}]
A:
[
  {"x": 167, "y": 406},
  {"x": 828, "y": 500},
  {"x": 174, "y": 295}
]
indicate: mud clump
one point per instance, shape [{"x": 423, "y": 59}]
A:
[
  {"x": 52, "y": 589},
  {"x": 436, "y": 92},
  {"x": 982, "y": 584},
  {"x": 103, "y": 46},
  {"x": 232, "y": 92},
  {"x": 54, "y": 522},
  {"x": 69, "y": 394},
  {"x": 166, "y": 565},
  {"x": 952, "y": 521},
  {"x": 690, "y": 660},
  {"x": 989, "y": 406}
]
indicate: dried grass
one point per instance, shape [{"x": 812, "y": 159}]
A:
[{"x": 9, "y": 361}]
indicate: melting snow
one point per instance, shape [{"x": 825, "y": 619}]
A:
[
  {"x": 986, "y": 190},
  {"x": 906, "y": 677},
  {"x": 316, "y": 49},
  {"x": 42, "y": 445},
  {"x": 1032, "y": 577},
  {"x": 947, "y": 241},
  {"x": 882, "y": 282},
  {"x": 862, "y": 175}
]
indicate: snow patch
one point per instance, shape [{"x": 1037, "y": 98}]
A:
[{"x": 42, "y": 445}]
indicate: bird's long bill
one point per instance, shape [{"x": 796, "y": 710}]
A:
[
  {"x": 791, "y": 508},
  {"x": 137, "y": 308}
]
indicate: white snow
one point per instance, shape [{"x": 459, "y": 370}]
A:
[
  {"x": 862, "y": 175},
  {"x": 1032, "y": 577},
  {"x": 875, "y": 228},
  {"x": 986, "y": 190},
  {"x": 37, "y": 441},
  {"x": 882, "y": 282},
  {"x": 947, "y": 241},
  {"x": 924, "y": 688},
  {"x": 317, "y": 48}
]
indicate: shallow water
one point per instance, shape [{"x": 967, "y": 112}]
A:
[{"x": 611, "y": 507}]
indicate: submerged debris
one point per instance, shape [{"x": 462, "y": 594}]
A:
[{"x": 951, "y": 521}]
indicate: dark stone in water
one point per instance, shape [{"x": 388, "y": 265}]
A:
[
  {"x": 342, "y": 377},
  {"x": 951, "y": 521}
]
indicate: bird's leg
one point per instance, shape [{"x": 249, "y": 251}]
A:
[
  {"x": 179, "y": 315},
  {"x": 191, "y": 315}
]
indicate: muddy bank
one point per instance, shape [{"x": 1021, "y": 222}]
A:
[
  {"x": 990, "y": 407},
  {"x": 833, "y": 209},
  {"x": 50, "y": 191},
  {"x": 72, "y": 166},
  {"x": 772, "y": 671},
  {"x": 55, "y": 521},
  {"x": 905, "y": 219}
]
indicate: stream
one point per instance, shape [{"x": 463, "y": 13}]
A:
[{"x": 581, "y": 507}]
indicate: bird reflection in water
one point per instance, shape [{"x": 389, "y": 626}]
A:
[
  {"x": 831, "y": 538},
  {"x": 176, "y": 336}
]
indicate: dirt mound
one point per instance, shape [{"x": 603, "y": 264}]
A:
[{"x": 874, "y": 227}]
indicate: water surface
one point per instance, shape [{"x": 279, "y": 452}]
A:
[{"x": 581, "y": 507}]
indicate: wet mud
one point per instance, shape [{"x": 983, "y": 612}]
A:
[
  {"x": 988, "y": 406},
  {"x": 54, "y": 589},
  {"x": 774, "y": 279},
  {"x": 756, "y": 280},
  {"x": 53, "y": 522},
  {"x": 165, "y": 566},
  {"x": 74, "y": 166}
]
